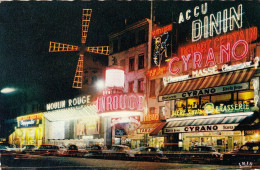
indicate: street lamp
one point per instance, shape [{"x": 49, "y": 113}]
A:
[
  {"x": 100, "y": 85},
  {"x": 8, "y": 90}
]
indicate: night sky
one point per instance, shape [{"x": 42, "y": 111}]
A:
[{"x": 26, "y": 28}]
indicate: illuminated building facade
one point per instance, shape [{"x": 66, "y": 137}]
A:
[
  {"x": 212, "y": 84},
  {"x": 29, "y": 130}
]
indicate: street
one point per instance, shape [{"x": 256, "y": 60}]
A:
[{"x": 53, "y": 162}]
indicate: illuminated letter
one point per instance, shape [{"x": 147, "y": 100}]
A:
[
  {"x": 196, "y": 14},
  {"x": 186, "y": 60},
  {"x": 225, "y": 20},
  {"x": 187, "y": 14},
  {"x": 170, "y": 66},
  {"x": 225, "y": 50},
  {"x": 216, "y": 24},
  {"x": 181, "y": 18},
  {"x": 115, "y": 102},
  {"x": 210, "y": 58},
  {"x": 196, "y": 30},
  {"x": 206, "y": 27},
  {"x": 204, "y": 8},
  {"x": 235, "y": 17},
  {"x": 109, "y": 103},
  {"x": 243, "y": 42},
  {"x": 197, "y": 60}
]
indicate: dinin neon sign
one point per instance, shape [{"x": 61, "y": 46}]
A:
[
  {"x": 226, "y": 49},
  {"x": 117, "y": 102}
]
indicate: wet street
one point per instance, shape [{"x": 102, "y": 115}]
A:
[{"x": 53, "y": 162}]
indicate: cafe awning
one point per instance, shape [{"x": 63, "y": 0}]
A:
[
  {"x": 223, "y": 79},
  {"x": 73, "y": 113},
  {"x": 219, "y": 122},
  {"x": 147, "y": 128}
]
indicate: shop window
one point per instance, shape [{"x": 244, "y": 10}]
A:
[
  {"x": 152, "y": 88},
  {"x": 141, "y": 86},
  {"x": 180, "y": 104},
  {"x": 131, "y": 64},
  {"x": 152, "y": 110},
  {"x": 204, "y": 100},
  {"x": 131, "y": 87},
  {"x": 222, "y": 98},
  {"x": 193, "y": 103},
  {"x": 245, "y": 97},
  {"x": 141, "y": 61}
]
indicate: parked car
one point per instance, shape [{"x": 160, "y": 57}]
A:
[
  {"x": 46, "y": 149},
  {"x": 71, "y": 150},
  {"x": 13, "y": 148},
  {"x": 250, "y": 152},
  {"x": 28, "y": 148},
  {"x": 94, "y": 151},
  {"x": 197, "y": 154},
  {"x": 148, "y": 153},
  {"x": 117, "y": 152}
]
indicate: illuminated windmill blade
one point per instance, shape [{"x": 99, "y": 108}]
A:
[
  {"x": 78, "y": 78},
  {"x": 98, "y": 50},
  {"x": 60, "y": 47},
  {"x": 86, "y": 16}
]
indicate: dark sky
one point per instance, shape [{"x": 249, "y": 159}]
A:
[{"x": 27, "y": 27}]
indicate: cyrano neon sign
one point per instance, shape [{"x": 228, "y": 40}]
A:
[{"x": 203, "y": 54}]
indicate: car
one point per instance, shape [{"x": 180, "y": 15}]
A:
[
  {"x": 13, "y": 148},
  {"x": 148, "y": 153},
  {"x": 46, "y": 149},
  {"x": 28, "y": 148},
  {"x": 94, "y": 151},
  {"x": 71, "y": 150},
  {"x": 117, "y": 152},
  {"x": 197, "y": 154},
  {"x": 249, "y": 152}
]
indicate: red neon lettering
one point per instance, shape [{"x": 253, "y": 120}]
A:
[
  {"x": 225, "y": 50},
  {"x": 186, "y": 60},
  {"x": 211, "y": 58},
  {"x": 197, "y": 60},
  {"x": 115, "y": 102},
  {"x": 122, "y": 102},
  {"x": 243, "y": 42},
  {"x": 171, "y": 64},
  {"x": 109, "y": 103}
]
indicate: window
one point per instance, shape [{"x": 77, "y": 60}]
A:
[
  {"x": 132, "y": 40},
  {"x": 131, "y": 87},
  {"x": 141, "y": 61},
  {"x": 115, "y": 46},
  {"x": 86, "y": 81},
  {"x": 141, "y": 36},
  {"x": 152, "y": 88},
  {"x": 141, "y": 86},
  {"x": 152, "y": 110},
  {"x": 131, "y": 64}
]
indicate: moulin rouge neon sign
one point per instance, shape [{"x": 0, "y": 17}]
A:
[
  {"x": 218, "y": 50},
  {"x": 118, "y": 102}
]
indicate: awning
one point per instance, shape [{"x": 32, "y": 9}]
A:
[
  {"x": 227, "y": 78},
  {"x": 73, "y": 113},
  {"x": 147, "y": 128},
  {"x": 220, "y": 122},
  {"x": 156, "y": 131}
]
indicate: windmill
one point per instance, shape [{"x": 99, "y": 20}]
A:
[{"x": 60, "y": 47}]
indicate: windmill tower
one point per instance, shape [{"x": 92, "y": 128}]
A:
[{"x": 60, "y": 47}]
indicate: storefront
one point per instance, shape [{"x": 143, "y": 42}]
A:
[
  {"x": 29, "y": 130},
  {"x": 73, "y": 121},
  {"x": 214, "y": 86}
]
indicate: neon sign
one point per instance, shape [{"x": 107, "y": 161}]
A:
[
  {"x": 151, "y": 117},
  {"x": 204, "y": 55},
  {"x": 156, "y": 71},
  {"x": 160, "y": 31},
  {"x": 117, "y": 102}
]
